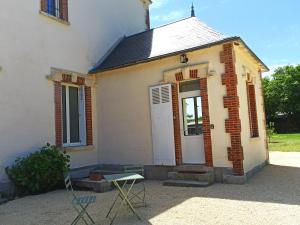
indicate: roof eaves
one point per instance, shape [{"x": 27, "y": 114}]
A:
[
  {"x": 235, "y": 38},
  {"x": 254, "y": 55}
]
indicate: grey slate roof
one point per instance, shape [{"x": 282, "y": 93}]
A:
[{"x": 186, "y": 34}]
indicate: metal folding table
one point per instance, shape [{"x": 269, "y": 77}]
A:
[{"x": 122, "y": 181}]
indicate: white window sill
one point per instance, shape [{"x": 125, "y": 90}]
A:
[
  {"x": 54, "y": 18},
  {"x": 82, "y": 148}
]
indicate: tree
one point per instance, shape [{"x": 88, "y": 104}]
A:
[
  {"x": 271, "y": 99},
  {"x": 282, "y": 93}
]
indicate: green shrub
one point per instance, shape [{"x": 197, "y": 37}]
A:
[{"x": 40, "y": 171}]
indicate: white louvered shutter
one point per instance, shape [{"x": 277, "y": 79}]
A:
[{"x": 162, "y": 125}]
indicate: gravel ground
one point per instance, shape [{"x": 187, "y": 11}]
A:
[{"x": 271, "y": 197}]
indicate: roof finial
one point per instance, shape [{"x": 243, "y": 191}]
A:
[{"x": 193, "y": 11}]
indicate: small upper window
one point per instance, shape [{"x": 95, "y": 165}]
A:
[
  {"x": 56, "y": 8},
  {"x": 193, "y": 85},
  {"x": 52, "y": 7}
]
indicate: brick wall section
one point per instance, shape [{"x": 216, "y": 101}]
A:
[
  {"x": 252, "y": 110},
  {"x": 88, "y": 115},
  {"x": 206, "y": 123},
  {"x": 176, "y": 122},
  {"x": 193, "y": 74},
  {"x": 44, "y": 5},
  {"x": 80, "y": 81},
  {"x": 67, "y": 78},
  {"x": 58, "y": 114},
  {"x": 63, "y": 10},
  {"x": 231, "y": 102},
  {"x": 179, "y": 76}
]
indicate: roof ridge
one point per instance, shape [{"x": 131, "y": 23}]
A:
[
  {"x": 175, "y": 22},
  {"x": 161, "y": 26}
]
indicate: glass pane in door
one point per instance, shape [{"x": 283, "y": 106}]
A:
[
  {"x": 192, "y": 116},
  {"x": 189, "y": 122}
]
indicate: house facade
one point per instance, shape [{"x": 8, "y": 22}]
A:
[
  {"x": 182, "y": 94},
  {"x": 40, "y": 39},
  {"x": 93, "y": 79}
]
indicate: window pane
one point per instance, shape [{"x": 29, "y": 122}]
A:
[
  {"x": 64, "y": 114},
  {"x": 51, "y": 7},
  {"x": 74, "y": 115},
  {"x": 199, "y": 129},
  {"x": 189, "y": 122}
]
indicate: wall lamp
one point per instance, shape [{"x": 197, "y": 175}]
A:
[{"x": 184, "y": 58}]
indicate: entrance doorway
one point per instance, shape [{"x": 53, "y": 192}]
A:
[{"x": 191, "y": 123}]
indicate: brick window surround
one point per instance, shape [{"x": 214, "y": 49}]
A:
[
  {"x": 252, "y": 110},
  {"x": 63, "y": 8},
  {"x": 206, "y": 122},
  {"x": 231, "y": 102},
  {"x": 176, "y": 122},
  {"x": 58, "y": 109}
]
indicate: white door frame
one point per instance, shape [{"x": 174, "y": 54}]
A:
[{"x": 192, "y": 146}]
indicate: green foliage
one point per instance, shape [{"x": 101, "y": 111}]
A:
[
  {"x": 40, "y": 171},
  {"x": 282, "y": 93}
]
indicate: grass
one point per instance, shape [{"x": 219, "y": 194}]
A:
[{"x": 285, "y": 143}]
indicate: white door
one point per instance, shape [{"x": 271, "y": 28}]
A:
[
  {"x": 191, "y": 127},
  {"x": 162, "y": 125}
]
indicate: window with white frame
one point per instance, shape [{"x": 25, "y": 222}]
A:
[
  {"x": 56, "y": 8},
  {"x": 73, "y": 115}
]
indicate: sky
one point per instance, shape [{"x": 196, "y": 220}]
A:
[{"x": 271, "y": 28}]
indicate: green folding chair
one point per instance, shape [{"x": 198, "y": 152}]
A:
[
  {"x": 138, "y": 193},
  {"x": 80, "y": 204}
]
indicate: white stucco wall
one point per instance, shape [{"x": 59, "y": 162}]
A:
[
  {"x": 254, "y": 148},
  {"x": 31, "y": 44},
  {"x": 123, "y": 109}
]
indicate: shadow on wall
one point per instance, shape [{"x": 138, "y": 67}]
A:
[{"x": 143, "y": 43}]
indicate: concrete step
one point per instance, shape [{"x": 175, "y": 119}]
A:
[
  {"x": 186, "y": 183},
  {"x": 201, "y": 176},
  {"x": 192, "y": 167}
]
